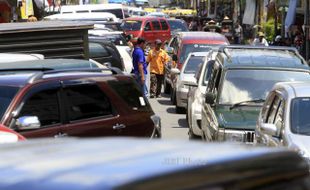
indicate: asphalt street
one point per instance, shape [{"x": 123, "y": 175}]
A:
[{"x": 174, "y": 126}]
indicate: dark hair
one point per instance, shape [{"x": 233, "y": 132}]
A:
[{"x": 140, "y": 40}]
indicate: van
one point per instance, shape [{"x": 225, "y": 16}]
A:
[
  {"x": 119, "y": 10},
  {"x": 150, "y": 28}
]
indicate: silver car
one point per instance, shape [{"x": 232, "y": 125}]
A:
[
  {"x": 196, "y": 97},
  {"x": 186, "y": 79},
  {"x": 284, "y": 119}
]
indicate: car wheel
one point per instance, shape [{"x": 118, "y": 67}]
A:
[
  {"x": 167, "y": 88},
  {"x": 173, "y": 97}
]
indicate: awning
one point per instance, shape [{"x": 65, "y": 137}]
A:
[{"x": 291, "y": 13}]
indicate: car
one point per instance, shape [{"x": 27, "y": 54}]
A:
[
  {"x": 106, "y": 53},
  {"x": 119, "y": 41},
  {"x": 177, "y": 25},
  {"x": 149, "y": 28},
  {"x": 283, "y": 120},
  {"x": 185, "y": 79},
  {"x": 84, "y": 16},
  {"x": 184, "y": 43},
  {"x": 80, "y": 102},
  {"x": 127, "y": 163},
  {"x": 13, "y": 57},
  {"x": 196, "y": 97},
  {"x": 241, "y": 77}
]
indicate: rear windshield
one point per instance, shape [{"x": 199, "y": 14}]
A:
[
  {"x": 177, "y": 26},
  {"x": 132, "y": 25},
  {"x": 189, "y": 48},
  {"x": 117, "y": 39},
  {"x": 7, "y": 93},
  {"x": 130, "y": 92},
  {"x": 193, "y": 64}
]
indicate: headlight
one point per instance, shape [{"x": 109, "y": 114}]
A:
[{"x": 235, "y": 136}]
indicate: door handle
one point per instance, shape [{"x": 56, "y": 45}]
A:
[
  {"x": 61, "y": 135},
  {"x": 119, "y": 126}
]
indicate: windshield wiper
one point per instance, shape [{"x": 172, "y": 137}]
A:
[{"x": 246, "y": 102}]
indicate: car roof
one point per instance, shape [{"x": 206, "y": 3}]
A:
[
  {"x": 297, "y": 88},
  {"x": 263, "y": 57},
  {"x": 12, "y": 57},
  {"x": 109, "y": 163},
  {"x": 83, "y": 16},
  {"x": 202, "y": 37}
]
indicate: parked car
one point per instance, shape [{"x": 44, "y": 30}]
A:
[
  {"x": 185, "y": 79},
  {"x": 106, "y": 53},
  {"x": 150, "y": 28},
  {"x": 240, "y": 80},
  {"x": 118, "y": 39},
  {"x": 186, "y": 42},
  {"x": 284, "y": 120},
  {"x": 76, "y": 102},
  {"x": 196, "y": 97},
  {"x": 12, "y": 57},
  {"x": 177, "y": 25},
  {"x": 126, "y": 164}
]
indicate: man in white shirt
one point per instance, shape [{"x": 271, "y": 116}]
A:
[{"x": 260, "y": 41}]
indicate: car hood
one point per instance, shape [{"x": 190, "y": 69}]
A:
[
  {"x": 238, "y": 118},
  {"x": 301, "y": 143}
]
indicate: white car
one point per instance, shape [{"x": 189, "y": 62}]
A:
[
  {"x": 186, "y": 79},
  {"x": 85, "y": 16},
  {"x": 196, "y": 97},
  {"x": 120, "y": 42},
  {"x": 284, "y": 119},
  {"x": 14, "y": 57}
]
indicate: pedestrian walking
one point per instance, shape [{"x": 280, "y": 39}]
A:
[
  {"x": 140, "y": 65},
  {"x": 260, "y": 41},
  {"x": 157, "y": 59}
]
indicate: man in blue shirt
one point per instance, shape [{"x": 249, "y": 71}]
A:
[{"x": 140, "y": 65}]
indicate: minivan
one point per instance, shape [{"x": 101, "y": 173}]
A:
[{"x": 150, "y": 28}]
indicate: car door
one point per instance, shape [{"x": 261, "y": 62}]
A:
[
  {"x": 164, "y": 31},
  {"x": 148, "y": 32},
  {"x": 42, "y": 101},
  {"x": 89, "y": 112}
]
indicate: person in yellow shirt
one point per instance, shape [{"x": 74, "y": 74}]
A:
[{"x": 157, "y": 58}]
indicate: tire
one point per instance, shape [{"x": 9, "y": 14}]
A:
[
  {"x": 173, "y": 97},
  {"x": 167, "y": 88}
]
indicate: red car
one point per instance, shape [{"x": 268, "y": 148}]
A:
[
  {"x": 150, "y": 28},
  {"x": 7, "y": 135}
]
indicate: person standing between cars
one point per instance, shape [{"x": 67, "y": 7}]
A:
[
  {"x": 140, "y": 65},
  {"x": 260, "y": 41},
  {"x": 157, "y": 59}
]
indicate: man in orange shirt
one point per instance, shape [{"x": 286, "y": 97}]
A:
[{"x": 157, "y": 58}]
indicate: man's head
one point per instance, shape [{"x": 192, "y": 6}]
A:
[
  {"x": 158, "y": 44},
  {"x": 141, "y": 42}
]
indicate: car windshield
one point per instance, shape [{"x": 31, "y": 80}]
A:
[
  {"x": 132, "y": 25},
  {"x": 7, "y": 93},
  {"x": 300, "y": 120},
  {"x": 247, "y": 85},
  {"x": 193, "y": 64},
  {"x": 116, "y": 39},
  {"x": 189, "y": 48},
  {"x": 176, "y": 25}
]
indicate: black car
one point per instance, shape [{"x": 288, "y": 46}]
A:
[{"x": 106, "y": 53}]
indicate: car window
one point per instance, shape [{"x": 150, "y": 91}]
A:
[
  {"x": 273, "y": 109},
  {"x": 147, "y": 26},
  {"x": 299, "y": 113},
  {"x": 214, "y": 79},
  {"x": 132, "y": 25},
  {"x": 164, "y": 25},
  {"x": 207, "y": 73},
  {"x": 131, "y": 94},
  {"x": 279, "y": 118},
  {"x": 189, "y": 48},
  {"x": 7, "y": 93},
  {"x": 86, "y": 101},
  {"x": 193, "y": 64},
  {"x": 97, "y": 50},
  {"x": 267, "y": 106},
  {"x": 156, "y": 25},
  {"x": 44, "y": 105},
  {"x": 176, "y": 25},
  {"x": 117, "y": 39}
]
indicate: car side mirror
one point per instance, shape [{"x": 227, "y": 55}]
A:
[
  {"x": 28, "y": 123},
  {"x": 175, "y": 71},
  {"x": 174, "y": 57},
  {"x": 107, "y": 64},
  {"x": 210, "y": 98},
  {"x": 170, "y": 50},
  {"x": 269, "y": 129}
]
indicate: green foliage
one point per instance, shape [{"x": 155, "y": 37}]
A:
[{"x": 268, "y": 28}]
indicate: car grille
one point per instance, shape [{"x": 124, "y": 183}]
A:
[{"x": 249, "y": 136}]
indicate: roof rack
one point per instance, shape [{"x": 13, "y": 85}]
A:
[{"x": 223, "y": 49}]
